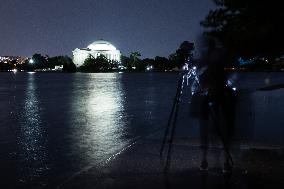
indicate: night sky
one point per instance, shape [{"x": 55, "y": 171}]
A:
[{"x": 56, "y": 27}]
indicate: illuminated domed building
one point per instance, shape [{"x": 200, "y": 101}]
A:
[{"x": 96, "y": 49}]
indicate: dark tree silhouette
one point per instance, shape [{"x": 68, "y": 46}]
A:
[
  {"x": 182, "y": 54},
  {"x": 248, "y": 28},
  {"x": 68, "y": 65},
  {"x": 40, "y": 61},
  {"x": 161, "y": 63},
  {"x": 98, "y": 64},
  {"x": 126, "y": 62},
  {"x": 185, "y": 50},
  {"x": 134, "y": 57}
]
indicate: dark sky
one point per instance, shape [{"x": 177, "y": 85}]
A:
[{"x": 56, "y": 27}]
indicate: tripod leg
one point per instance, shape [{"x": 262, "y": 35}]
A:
[
  {"x": 168, "y": 128},
  {"x": 217, "y": 124},
  {"x": 177, "y": 96},
  {"x": 171, "y": 139}
]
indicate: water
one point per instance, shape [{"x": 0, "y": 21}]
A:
[{"x": 53, "y": 125}]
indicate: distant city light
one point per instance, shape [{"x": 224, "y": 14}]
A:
[
  {"x": 31, "y": 61},
  {"x": 16, "y": 59},
  {"x": 149, "y": 67},
  {"x": 14, "y": 70}
]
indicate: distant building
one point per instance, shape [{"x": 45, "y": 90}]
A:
[
  {"x": 96, "y": 49},
  {"x": 58, "y": 68}
]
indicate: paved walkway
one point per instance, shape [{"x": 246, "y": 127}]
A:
[{"x": 140, "y": 166}]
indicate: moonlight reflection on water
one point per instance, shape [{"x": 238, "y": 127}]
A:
[
  {"x": 98, "y": 120},
  {"x": 32, "y": 138}
]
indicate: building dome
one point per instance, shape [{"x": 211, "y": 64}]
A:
[
  {"x": 101, "y": 45},
  {"x": 95, "y": 50}
]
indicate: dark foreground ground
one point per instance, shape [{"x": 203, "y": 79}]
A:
[{"x": 139, "y": 166}]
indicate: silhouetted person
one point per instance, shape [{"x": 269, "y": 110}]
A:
[{"x": 215, "y": 104}]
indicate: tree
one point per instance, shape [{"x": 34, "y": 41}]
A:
[
  {"x": 68, "y": 64},
  {"x": 183, "y": 54},
  {"x": 88, "y": 65},
  {"x": 185, "y": 51},
  {"x": 113, "y": 64},
  {"x": 6, "y": 66},
  {"x": 98, "y": 64},
  {"x": 40, "y": 61},
  {"x": 126, "y": 62},
  {"x": 161, "y": 63},
  {"x": 147, "y": 62},
  {"x": 134, "y": 58},
  {"x": 248, "y": 28}
]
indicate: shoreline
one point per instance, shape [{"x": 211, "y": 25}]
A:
[{"x": 228, "y": 71}]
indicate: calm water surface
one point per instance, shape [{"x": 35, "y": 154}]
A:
[{"x": 53, "y": 125}]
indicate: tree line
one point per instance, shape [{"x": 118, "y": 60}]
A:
[
  {"x": 41, "y": 62},
  {"x": 131, "y": 63},
  {"x": 173, "y": 62},
  {"x": 134, "y": 63}
]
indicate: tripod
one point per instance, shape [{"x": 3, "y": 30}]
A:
[{"x": 171, "y": 124}]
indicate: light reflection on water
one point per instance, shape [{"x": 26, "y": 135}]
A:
[
  {"x": 98, "y": 119},
  {"x": 31, "y": 138}
]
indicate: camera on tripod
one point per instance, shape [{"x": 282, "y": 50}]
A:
[{"x": 191, "y": 75}]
